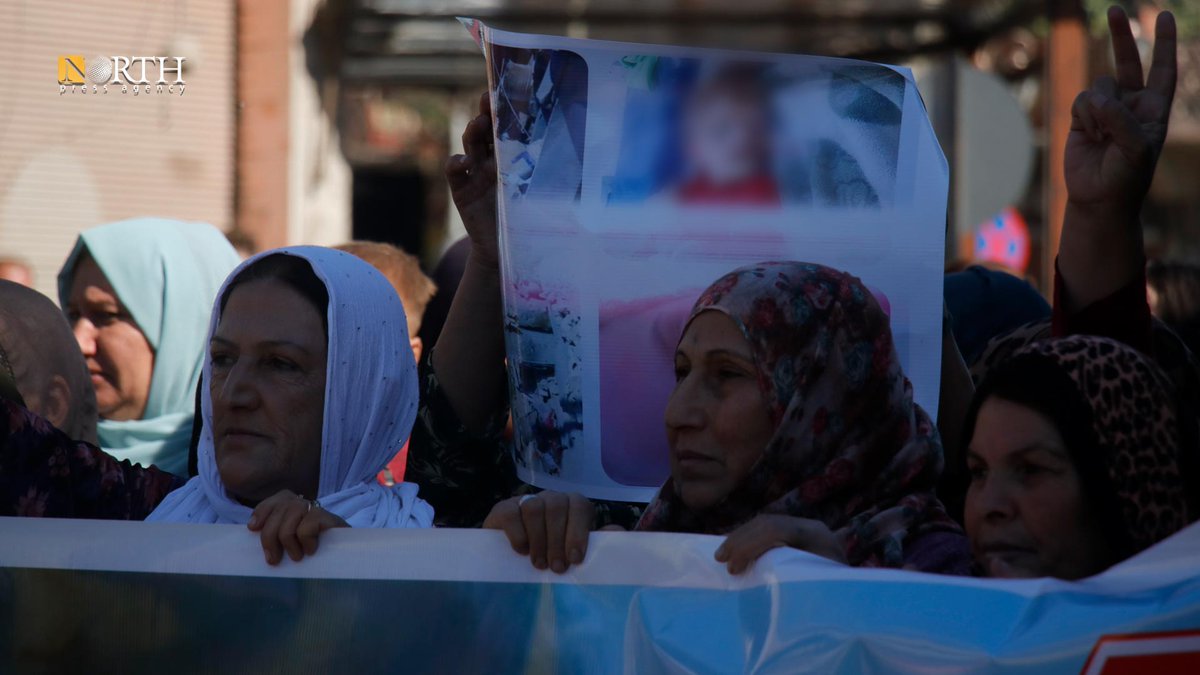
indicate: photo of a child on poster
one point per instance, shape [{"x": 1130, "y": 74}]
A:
[
  {"x": 724, "y": 132},
  {"x": 632, "y": 176}
]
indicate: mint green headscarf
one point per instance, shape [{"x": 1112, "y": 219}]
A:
[{"x": 166, "y": 273}]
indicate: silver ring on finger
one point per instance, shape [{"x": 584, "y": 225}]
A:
[{"x": 525, "y": 498}]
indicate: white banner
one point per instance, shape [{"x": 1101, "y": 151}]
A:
[{"x": 94, "y": 596}]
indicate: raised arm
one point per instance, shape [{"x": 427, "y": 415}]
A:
[
  {"x": 1118, "y": 128},
  {"x": 469, "y": 357}
]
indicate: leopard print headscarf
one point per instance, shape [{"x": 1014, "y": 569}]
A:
[{"x": 1134, "y": 420}]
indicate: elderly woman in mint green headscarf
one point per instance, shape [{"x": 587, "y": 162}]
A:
[{"x": 138, "y": 294}]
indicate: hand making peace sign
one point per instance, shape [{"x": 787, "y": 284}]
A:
[{"x": 1118, "y": 127}]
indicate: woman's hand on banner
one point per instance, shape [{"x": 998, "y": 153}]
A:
[
  {"x": 768, "y": 531},
  {"x": 289, "y": 522},
  {"x": 472, "y": 179},
  {"x": 550, "y": 527}
]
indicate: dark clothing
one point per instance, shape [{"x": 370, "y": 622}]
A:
[
  {"x": 43, "y": 473},
  {"x": 464, "y": 475},
  {"x": 1123, "y": 316},
  {"x": 939, "y": 552},
  {"x": 985, "y": 303},
  {"x": 447, "y": 275}
]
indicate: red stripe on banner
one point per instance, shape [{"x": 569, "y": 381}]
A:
[{"x": 1162, "y": 653}]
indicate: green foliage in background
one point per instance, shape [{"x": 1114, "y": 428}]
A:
[{"x": 1187, "y": 14}]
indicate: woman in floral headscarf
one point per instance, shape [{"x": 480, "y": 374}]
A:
[{"x": 791, "y": 424}]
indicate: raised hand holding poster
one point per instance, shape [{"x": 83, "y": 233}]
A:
[{"x": 633, "y": 176}]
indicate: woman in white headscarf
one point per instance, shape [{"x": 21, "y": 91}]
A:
[{"x": 310, "y": 388}]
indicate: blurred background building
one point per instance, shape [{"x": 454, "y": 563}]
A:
[{"x": 315, "y": 121}]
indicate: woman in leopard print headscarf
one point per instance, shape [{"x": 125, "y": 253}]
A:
[{"x": 1078, "y": 459}]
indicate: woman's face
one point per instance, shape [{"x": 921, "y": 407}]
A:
[
  {"x": 1026, "y": 514},
  {"x": 268, "y": 392},
  {"x": 718, "y": 420},
  {"x": 119, "y": 358}
]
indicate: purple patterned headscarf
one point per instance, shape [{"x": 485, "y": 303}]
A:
[{"x": 851, "y": 448}]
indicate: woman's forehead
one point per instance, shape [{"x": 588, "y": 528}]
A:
[
  {"x": 713, "y": 330},
  {"x": 269, "y": 310},
  {"x": 87, "y": 275},
  {"x": 1007, "y": 426}
]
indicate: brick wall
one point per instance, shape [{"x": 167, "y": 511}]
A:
[{"x": 72, "y": 161}]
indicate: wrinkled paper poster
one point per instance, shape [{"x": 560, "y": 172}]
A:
[{"x": 633, "y": 176}]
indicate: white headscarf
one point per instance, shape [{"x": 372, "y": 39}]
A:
[{"x": 370, "y": 405}]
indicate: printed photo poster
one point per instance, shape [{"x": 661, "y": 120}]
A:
[{"x": 633, "y": 176}]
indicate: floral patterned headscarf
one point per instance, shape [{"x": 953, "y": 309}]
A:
[{"x": 851, "y": 448}]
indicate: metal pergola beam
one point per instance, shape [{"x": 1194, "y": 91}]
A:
[{"x": 419, "y": 40}]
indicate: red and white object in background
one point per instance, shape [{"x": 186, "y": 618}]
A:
[{"x": 1005, "y": 240}]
